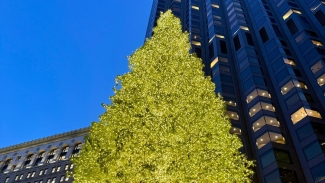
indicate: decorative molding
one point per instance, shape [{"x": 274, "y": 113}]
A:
[{"x": 45, "y": 140}]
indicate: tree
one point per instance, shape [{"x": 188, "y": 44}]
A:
[{"x": 165, "y": 123}]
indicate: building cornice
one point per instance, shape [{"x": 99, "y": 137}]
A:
[{"x": 45, "y": 140}]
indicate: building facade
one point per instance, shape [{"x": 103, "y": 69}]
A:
[
  {"x": 266, "y": 58},
  {"x": 44, "y": 160}
]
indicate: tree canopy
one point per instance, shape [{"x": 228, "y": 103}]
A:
[{"x": 165, "y": 122}]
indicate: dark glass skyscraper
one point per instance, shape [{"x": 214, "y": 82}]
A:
[{"x": 267, "y": 59}]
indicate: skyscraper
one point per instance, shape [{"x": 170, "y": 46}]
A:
[{"x": 266, "y": 58}]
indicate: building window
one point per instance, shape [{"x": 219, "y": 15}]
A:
[
  {"x": 232, "y": 115},
  {"x": 318, "y": 172},
  {"x": 62, "y": 178},
  {"x": 220, "y": 36},
  {"x": 196, "y": 43},
  {"x": 39, "y": 158},
  {"x": 321, "y": 80},
  {"x": 261, "y": 106},
  {"x": 215, "y": 5},
  {"x": 33, "y": 174},
  {"x": 53, "y": 180},
  {"x": 292, "y": 26},
  {"x": 237, "y": 43},
  {"x": 317, "y": 66},
  {"x": 28, "y": 175},
  {"x": 257, "y": 92},
  {"x": 195, "y": 7},
  {"x": 18, "y": 158},
  {"x": 5, "y": 166},
  {"x": 289, "y": 62},
  {"x": 71, "y": 166},
  {"x": 21, "y": 176},
  {"x": 58, "y": 168},
  {"x": 285, "y": 16},
  {"x": 48, "y": 180},
  {"x": 63, "y": 153},
  {"x": 316, "y": 43},
  {"x": 66, "y": 167},
  {"x": 40, "y": 172},
  {"x": 320, "y": 17},
  {"x": 7, "y": 179},
  {"x": 76, "y": 150},
  {"x": 267, "y": 137},
  {"x": 45, "y": 171},
  {"x": 258, "y": 124},
  {"x": 312, "y": 150},
  {"x": 302, "y": 113},
  {"x": 53, "y": 169},
  {"x": 282, "y": 156},
  {"x": 249, "y": 39},
  {"x": 51, "y": 156},
  {"x": 263, "y": 35},
  {"x": 267, "y": 158},
  {"x": 292, "y": 83},
  {"x": 223, "y": 47},
  {"x": 305, "y": 131},
  {"x": 13, "y": 167},
  {"x": 28, "y": 160},
  {"x": 234, "y": 130},
  {"x": 273, "y": 177},
  {"x": 17, "y": 177}
]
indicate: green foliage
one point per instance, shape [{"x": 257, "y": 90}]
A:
[{"x": 165, "y": 124}]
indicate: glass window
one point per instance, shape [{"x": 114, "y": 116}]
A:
[
  {"x": 214, "y": 62},
  {"x": 304, "y": 131},
  {"x": 316, "y": 43},
  {"x": 51, "y": 156},
  {"x": 53, "y": 180},
  {"x": 223, "y": 47},
  {"x": 5, "y": 166},
  {"x": 321, "y": 80},
  {"x": 318, "y": 172},
  {"x": 233, "y": 115},
  {"x": 320, "y": 17},
  {"x": 288, "y": 175},
  {"x": 282, "y": 156},
  {"x": 27, "y": 160},
  {"x": 273, "y": 177},
  {"x": 302, "y": 113},
  {"x": 312, "y": 150},
  {"x": 62, "y": 178},
  {"x": 28, "y": 175},
  {"x": 63, "y": 153},
  {"x": 195, "y": 7},
  {"x": 235, "y": 130},
  {"x": 33, "y": 174},
  {"x": 21, "y": 176},
  {"x": 66, "y": 167},
  {"x": 230, "y": 101},
  {"x": 257, "y": 92},
  {"x": 39, "y": 158},
  {"x": 263, "y": 35},
  {"x": 269, "y": 136},
  {"x": 292, "y": 26},
  {"x": 318, "y": 128},
  {"x": 40, "y": 172},
  {"x": 237, "y": 43},
  {"x": 289, "y": 62},
  {"x": 58, "y": 168},
  {"x": 262, "y": 140},
  {"x": 53, "y": 170},
  {"x": 292, "y": 83},
  {"x": 265, "y": 120},
  {"x": 7, "y": 179},
  {"x": 317, "y": 66},
  {"x": 259, "y": 106},
  {"x": 76, "y": 150},
  {"x": 267, "y": 158},
  {"x": 196, "y": 43}
]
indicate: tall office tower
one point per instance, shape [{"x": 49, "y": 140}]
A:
[
  {"x": 43, "y": 160},
  {"x": 266, "y": 58}
]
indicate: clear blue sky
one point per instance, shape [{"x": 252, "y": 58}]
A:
[{"x": 59, "y": 59}]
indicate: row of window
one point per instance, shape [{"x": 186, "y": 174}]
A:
[
  {"x": 41, "y": 172},
  {"x": 49, "y": 180},
  {"x": 41, "y": 156}
]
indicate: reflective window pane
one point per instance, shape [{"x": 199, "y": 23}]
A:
[{"x": 267, "y": 158}]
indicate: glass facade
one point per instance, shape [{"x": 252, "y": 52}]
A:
[{"x": 266, "y": 59}]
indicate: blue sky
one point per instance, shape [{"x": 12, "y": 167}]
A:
[{"x": 59, "y": 59}]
